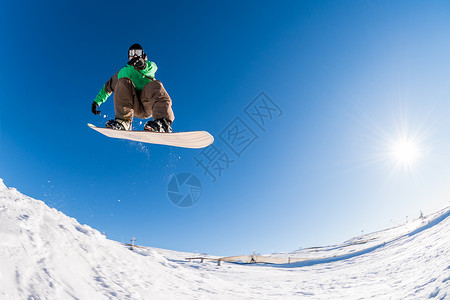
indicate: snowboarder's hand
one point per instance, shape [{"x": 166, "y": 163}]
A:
[
  {"x": 137, "y": 62},
  {"x": 94, "y": 108}
]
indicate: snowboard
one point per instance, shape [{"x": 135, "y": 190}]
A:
[{"x": 188, "y": 139}]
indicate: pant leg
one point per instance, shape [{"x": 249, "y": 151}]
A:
[
  {"x": 126, "y": 100},
  {"x": 156, "y": 101}
]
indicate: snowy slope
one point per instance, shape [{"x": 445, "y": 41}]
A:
[
  {"x": 368, "y": 242},
  {"x": 46, "y": 255}
]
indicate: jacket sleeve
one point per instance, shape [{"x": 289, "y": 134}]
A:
[
  {"x": 107, "y": 89},
  {"x": 150, "y": 69}
]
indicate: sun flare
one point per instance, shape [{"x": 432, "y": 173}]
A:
[
  {"x": 400, "y": 147},
  {"x": 406, "y": 152}
]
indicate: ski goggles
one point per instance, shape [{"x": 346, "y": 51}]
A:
[{"x": 134, "y": 52}]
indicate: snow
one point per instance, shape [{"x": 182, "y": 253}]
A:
[{"x": 45, "y": 254}]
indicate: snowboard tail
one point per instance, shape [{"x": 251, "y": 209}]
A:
[{"x": 188, "y": 139}]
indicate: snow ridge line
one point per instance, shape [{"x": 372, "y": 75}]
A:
[{"x": 312, "y": 262}]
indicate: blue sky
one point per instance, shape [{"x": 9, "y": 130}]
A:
[{"x": 351, "y": 79}]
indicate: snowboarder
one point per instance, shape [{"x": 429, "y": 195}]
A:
[{"x": 137, "y": 94}]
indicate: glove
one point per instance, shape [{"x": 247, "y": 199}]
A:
[
  {"x": 94, "y": 108},
  {"x": 137, "y": 62}
]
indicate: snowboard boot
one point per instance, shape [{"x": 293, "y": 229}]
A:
[
  {"x": 118, "y": 124},
  {"x": 160, "y": 125}
]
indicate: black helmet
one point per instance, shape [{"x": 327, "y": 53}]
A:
[{"x": 132, "y": 50}]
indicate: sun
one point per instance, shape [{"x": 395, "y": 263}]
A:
[
  {"x": 405, "y": 152},
  {"x": 400, "y": 148},
  {"x": 398, "y": 143}
]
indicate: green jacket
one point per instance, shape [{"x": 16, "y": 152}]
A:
[{"x": 138, "y": 78}]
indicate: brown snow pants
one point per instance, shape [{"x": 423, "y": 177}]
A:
[{"x": 152, "y": 101}]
